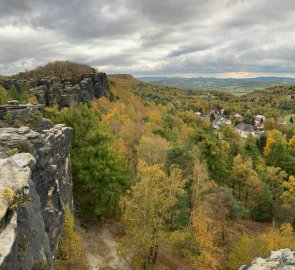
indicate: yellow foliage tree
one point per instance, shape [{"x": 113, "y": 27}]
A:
[
  {"x": 71, "y": 251},
  {"x": 244, "y": 180},
  {"x": 289, "y": 193},
  {"x": 147, "y": 208},
  {"x": 206, "y": 234},
  {"x": 272, "y": 137},
  {"x": 153, "y": 149}
]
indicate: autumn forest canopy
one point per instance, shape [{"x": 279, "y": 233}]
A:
[{"x": 182, "y": 169}]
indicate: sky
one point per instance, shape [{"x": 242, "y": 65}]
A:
[{"x": 188, "y": 38}]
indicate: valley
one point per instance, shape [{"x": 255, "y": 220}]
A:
[{"x": 158, "y": 177}]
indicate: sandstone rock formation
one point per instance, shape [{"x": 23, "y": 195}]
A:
[
  {"x": 64, "y": 91},
  {"x": 19, "y": 111},
  {"x": 283, "y": 259},
  {"x": 29, "y": 235}
]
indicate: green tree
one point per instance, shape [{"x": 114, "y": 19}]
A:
[
  {"x": 3, "y": 96},
  {"x": 14, "y": 94},
  {"x": 100, "y": 174},
  {"x": 25, "y": 92},
  {"x": 180, "y": 157},
  {"x": 263, "y": 210},
  {"x": 279, "y": 156}
]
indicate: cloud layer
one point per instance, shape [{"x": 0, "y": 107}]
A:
[{"x": 150, "y": 37}]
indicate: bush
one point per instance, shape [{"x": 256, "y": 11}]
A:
[
  {"x": 12, "y": 151},
  {"x": 8, "y": 118},
  {"x": 34, "y": 116},
  {"x": 71, "y": 253},
  {"x": 249, "y": 248}
]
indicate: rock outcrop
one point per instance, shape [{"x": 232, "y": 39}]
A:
[
  {"x": 283, "y": 259},
  {"x": 19, "y": 111},
  {"x": 64, "y": 91},
  {"x": 41, "y": 177}
]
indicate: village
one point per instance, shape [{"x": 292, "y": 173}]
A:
[{"x": 244, "y": 127}]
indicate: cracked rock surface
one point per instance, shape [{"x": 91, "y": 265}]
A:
[{"x": 29, "y": 236}]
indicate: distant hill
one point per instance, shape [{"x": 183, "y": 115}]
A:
[
  {"x": 231, "y": 85},
  {"x": 57, "y": 69}
]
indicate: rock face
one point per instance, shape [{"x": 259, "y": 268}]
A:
[
  {"x": 283, "y": 259},
  {"x": 19, "y": 111},
  {"x": 29, "y": 234},
  {"x": 64, "y": 91}
]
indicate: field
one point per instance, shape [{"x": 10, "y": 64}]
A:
[{"x": 287, "y": 117}]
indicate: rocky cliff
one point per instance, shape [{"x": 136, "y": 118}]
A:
[
  {"x": 40, "y": 178},
  {"x": 283, "y": 259},
  {"x": 63, "y": 91}
]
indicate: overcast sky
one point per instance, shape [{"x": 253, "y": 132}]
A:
[{"x": 237, "y": 38}]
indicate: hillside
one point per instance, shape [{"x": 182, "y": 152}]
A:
[
  {"x": 234, "y": 86},
  {"x": 167, "y": 175},
  {"x": 56, "y": 69}
]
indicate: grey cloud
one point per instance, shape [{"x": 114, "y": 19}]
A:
[{"x": 149, "y": 37}]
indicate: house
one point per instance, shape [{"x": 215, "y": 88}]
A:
[
  {"x": 198, "y": 113},
  {"x": 219, "y": 120},
  {"x": 260, "y": 118},
  {"x": 282, "y": 122},
  {"x": 245, "y": 130}
]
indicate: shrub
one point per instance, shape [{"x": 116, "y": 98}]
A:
[
  {"x": 34, "y": 116},
  {"x": 249, "y": 248},
  {"x": 8, "y": 118},
  {"x": 12, "y": 151}
]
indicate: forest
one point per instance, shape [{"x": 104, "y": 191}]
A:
[{"x": 212, "y": 199}]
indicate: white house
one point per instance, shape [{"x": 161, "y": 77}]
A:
[{"x": 245, "y": 129}]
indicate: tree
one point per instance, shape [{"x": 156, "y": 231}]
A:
[
  {"x": 291, "y": 145},
  {"x": 279, "y": 156},
  {"x": 180, "y": 157},
  {"x": 270, "y": 124},
  {"x": 243, "y": 179},
  {"x": 212, "y": 117},
  {"x": 153, "y": 150},
  {"x": 71, "y": 253},
  {"x": 289, "y": 193},
  {"x": 291, "y": 119},
  {"x": 230, "y": 133},
  {"x": 199, "y": 184},
  {"x": 261, "y": 142},
  {"x": 147, "y": 208},
  {"x": 263, "y": 210},
  {"x": 14, "y": 94},
  {"x": 25, "y": 92},
  {"x": 273, "y": 137},
  {"x": 252, "y": 151},
  {"x": 3, "y": 96},
  {"x": 100, "y": 176},
  {"x": 206, "y": 234},
  {"x": 213, "y": 152},
  {"x": 275, "y": 178}
]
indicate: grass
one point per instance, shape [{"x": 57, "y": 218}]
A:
[{"x": 287, "y": 117}]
